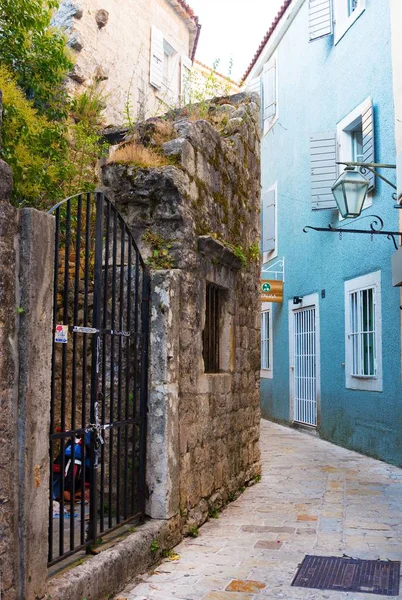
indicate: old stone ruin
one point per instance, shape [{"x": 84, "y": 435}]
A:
[
  {"x": 187, "y": 185},
  {"x": 196, "y": 218}
]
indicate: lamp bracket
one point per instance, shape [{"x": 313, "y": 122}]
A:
[
  {"x": 372, "y": 167},
  {"x": 375, "y": 228}
]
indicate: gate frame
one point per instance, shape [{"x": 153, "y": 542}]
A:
[
  {"x": 101, "y": 201},
  {"x": 309, "y": 300}
]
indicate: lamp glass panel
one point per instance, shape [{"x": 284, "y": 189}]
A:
[
  {"x": 355, "y": 193},
  {"x": 350, "y": 191},
  {"x": 340, "y": 199}
]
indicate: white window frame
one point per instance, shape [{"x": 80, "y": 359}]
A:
[
  {"x": 266, "y": 307},
  {"x": 342, "y": 20},
  {"x": 271, "y": 254},
  {"x": 369, "y": 383},
  {"x": 344, "y": 142},
  {"x": 269, "y": 123}
]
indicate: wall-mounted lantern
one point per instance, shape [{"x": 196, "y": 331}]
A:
[{"x": 350, "y": 192}]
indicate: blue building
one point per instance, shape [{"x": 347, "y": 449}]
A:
[{"x": 331, "y": 349}]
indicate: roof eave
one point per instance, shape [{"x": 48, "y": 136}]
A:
[
  {"x": 279, "y": 26},
  {"x": 191, "y": 20}
]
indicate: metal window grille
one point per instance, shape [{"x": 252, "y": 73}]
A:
[
  {"x": 265, "y": 339},
  {"x": 305, "y": 369},
  {"x": 362, "y": 334},
  {"x": 211, "y": 333}
]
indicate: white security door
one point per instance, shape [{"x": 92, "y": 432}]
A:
[{"x": 305, "y": 365}]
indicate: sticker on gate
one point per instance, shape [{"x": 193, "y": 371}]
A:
[{"x": 61, "y": 334}]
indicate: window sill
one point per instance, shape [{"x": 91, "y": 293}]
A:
[
  {"x": 266, "y": 374},
  {"x": 363, "y": 383},
  {"x": 343, "y": 28},
  {"x": 269, "y": 255}
]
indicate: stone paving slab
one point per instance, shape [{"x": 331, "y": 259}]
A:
[{"x": 314, "y": 498}]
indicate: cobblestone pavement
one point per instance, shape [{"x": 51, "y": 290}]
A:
[{"x": 314, "y": 498}]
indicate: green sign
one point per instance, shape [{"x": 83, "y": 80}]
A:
[{"x": 266, "y": 287}]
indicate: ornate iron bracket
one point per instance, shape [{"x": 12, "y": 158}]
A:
[
  {"x": 376, "y": 228},
  {"x": 372, "y": 167}
]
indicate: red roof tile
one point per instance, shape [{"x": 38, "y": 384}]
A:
[
  {"x": 266, "y": 37},
  {"x": 188, "y": 9}
]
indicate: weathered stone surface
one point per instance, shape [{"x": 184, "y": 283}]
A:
[
  {"x": 8, "y": 399},
  {"x": 163, "y": 417},
  {"x": 77, "y": 74},
  {"x": 65, "y": 14},
  {"x": 26, "y": 255},
  {"x": 123, "y": 48},
  {"x": 299, "y": 471},
  {"x": 109, "y": 571},
  {"x": 207, "y": 209},
  {"x": 6, "y": 181},
  {"x": 101, "y": 18},
  {"x": 35, "y": 351},
  {"x": 76, "y": 42}
]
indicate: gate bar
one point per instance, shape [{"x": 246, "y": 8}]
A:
[{"x": 95, "y": 361}]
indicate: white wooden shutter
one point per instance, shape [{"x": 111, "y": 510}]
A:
[
  {"x": 254, "y": 85},
  {"x": 157, "y": 54},
  {"x": 323, "y": 170},
  {"x": 269, "y": 89},
  {"x": 319, "y": 18},
  {"x": 368, "y": 139},
  {"x": 268, "y": 220},
  {"x": 185, "y": 79}
]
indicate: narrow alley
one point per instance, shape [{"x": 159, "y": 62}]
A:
[{"x": 313, "y": 498}]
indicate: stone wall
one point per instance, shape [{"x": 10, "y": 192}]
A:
[
  {"x": 26, "y": 276},
  {"x": 111, "y": 41},
  {"x": 205, "y": 207}
]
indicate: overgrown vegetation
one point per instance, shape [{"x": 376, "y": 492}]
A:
[
  {"x": 36, "y": 53},
  {"x": 193, "y": 531},
  {"x": 134, "y": 153},
  {"x": 160, "y": 257},
  {"x": 50, "y": 141}
]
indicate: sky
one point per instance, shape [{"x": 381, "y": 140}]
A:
[{"x": 232, "y": 29}]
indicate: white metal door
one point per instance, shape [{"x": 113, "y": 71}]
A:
[{"x": 305, "y": 365}]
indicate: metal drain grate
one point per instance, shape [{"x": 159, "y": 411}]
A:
[{"x": 349, "y": 575}]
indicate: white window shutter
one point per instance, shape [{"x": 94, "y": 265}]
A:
[
  {"x": 323, "y": 170},
  {"x": 319, "y": 18},
  {"x": 185, "y": 79},
  {"x": 157, "y": 54},
  {"x": 269, "y": 90},
  {"x": 254, "y": 85},
  {"x": 368, "y": 139},
  {"x": 268, "y": 220}
]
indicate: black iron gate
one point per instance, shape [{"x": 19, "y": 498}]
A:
[{"x": 99, "y": 375}]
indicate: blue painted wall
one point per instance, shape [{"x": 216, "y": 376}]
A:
[{"x": 320, "y": 84}]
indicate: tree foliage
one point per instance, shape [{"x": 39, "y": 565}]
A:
[
  {"x": 36, "y": 52},
  {"x": 50, "y": 140},
  {"x": 50, "y": 158}
]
